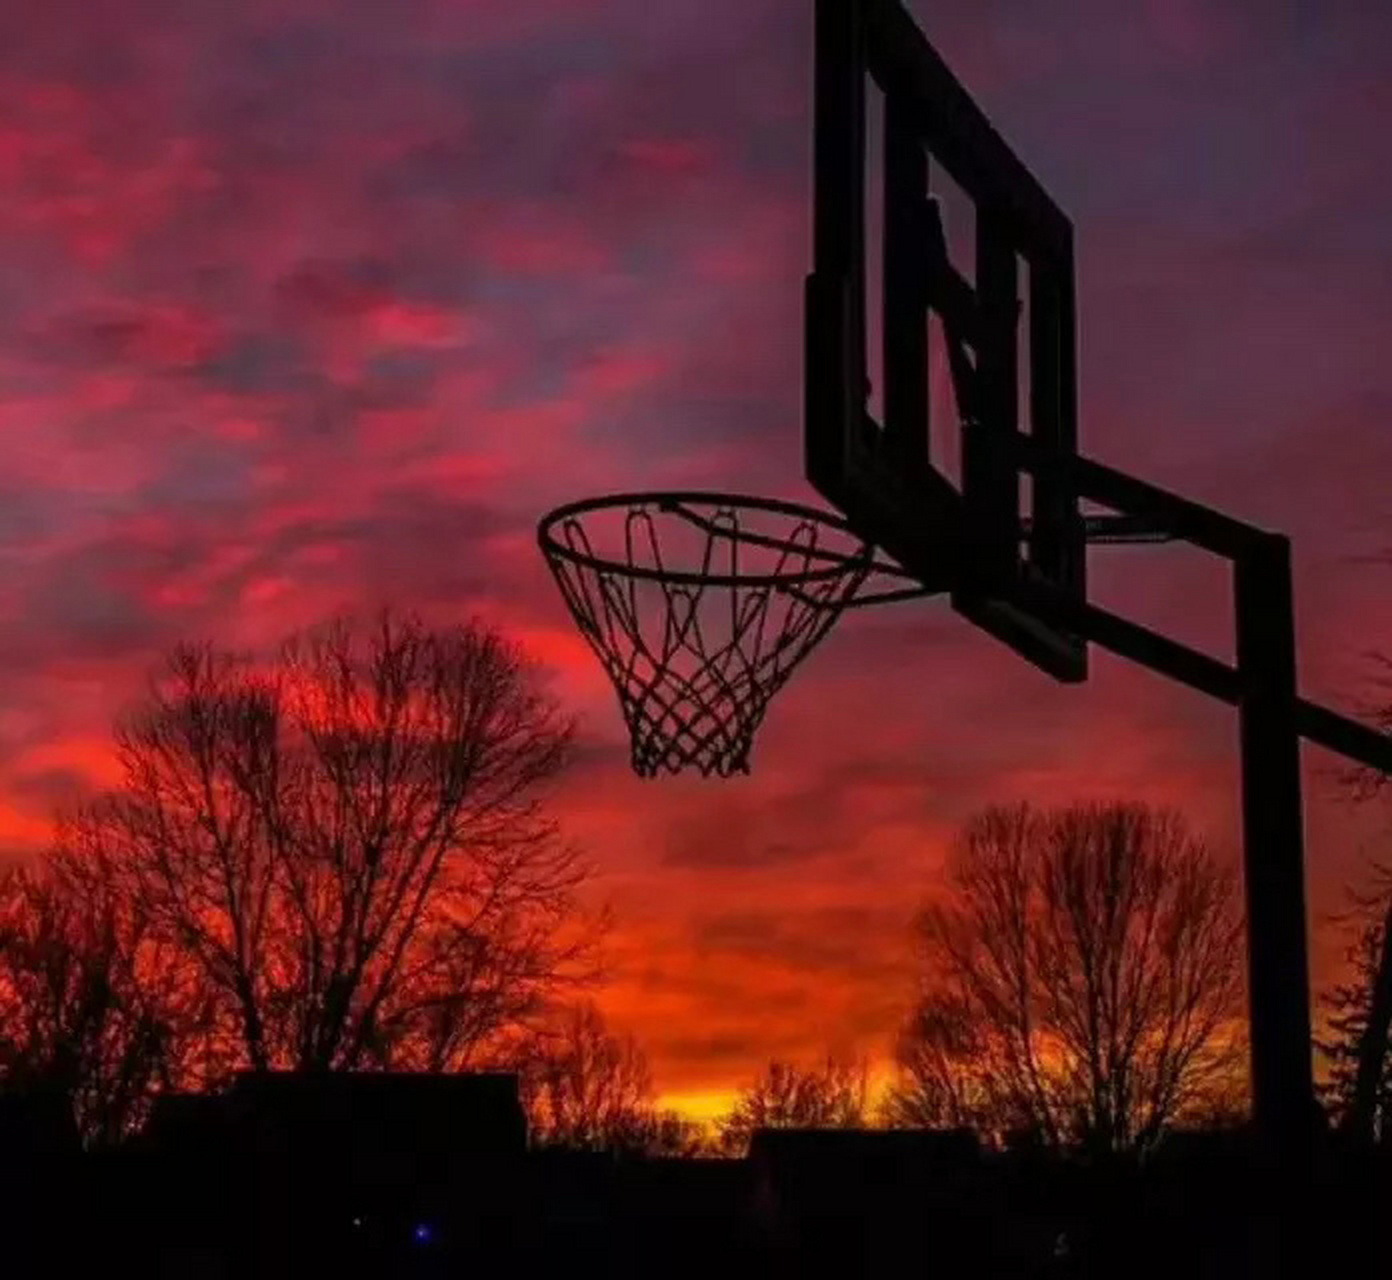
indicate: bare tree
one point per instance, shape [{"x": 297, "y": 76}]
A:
[
  {"x": 93, "y": 1011},
  {"x": 583, "y": 1086},
  {"x": 1095, "y": 954},
  {"x": 588, "y": 1089},
  {"x": 785, "y": 1096},
  {"x": 943, "y": 1073},
  {"x": 347, "y": 843}
]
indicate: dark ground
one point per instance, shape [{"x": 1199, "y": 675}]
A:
[{"x": 367, "y": 1176}]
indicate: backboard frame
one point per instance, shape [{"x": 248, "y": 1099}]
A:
[{"x": 880, "y": 475}]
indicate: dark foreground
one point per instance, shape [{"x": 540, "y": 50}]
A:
[{"x": 370, "y": 1176}]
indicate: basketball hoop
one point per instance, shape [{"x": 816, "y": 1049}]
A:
[{"x": 700, "y": 606}]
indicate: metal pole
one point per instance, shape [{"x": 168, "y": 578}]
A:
[{"x": 1283, "y": 1103}]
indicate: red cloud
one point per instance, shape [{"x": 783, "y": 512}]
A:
[{"x": 671, "y": 157}]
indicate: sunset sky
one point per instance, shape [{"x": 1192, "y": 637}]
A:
[{"x": 315, "y": 305}]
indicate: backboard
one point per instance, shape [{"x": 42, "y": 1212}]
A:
[{"x": 1007, "y": 322}]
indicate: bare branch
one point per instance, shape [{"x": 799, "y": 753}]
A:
[
  {"x": 1082, "y": 979},
  {"x": 346, "y": 843},
  {"x": 788, "y": 1097}
]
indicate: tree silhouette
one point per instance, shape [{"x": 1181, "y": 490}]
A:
[
  {"x": 1359, "y": 1087},
  {"x": 93, "y": 1010},
  {"x": 785, "y": 1096},
  {"x": 1359, "y": 1044},
  {"x": 588, "y": 1089},
  {"x": 1082, "y": 977},
  {"x": 346, "y": 843},
  {"x": 942, "y": 1080}
]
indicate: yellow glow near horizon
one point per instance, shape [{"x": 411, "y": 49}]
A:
[{"x": 704, "y": 1107}]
